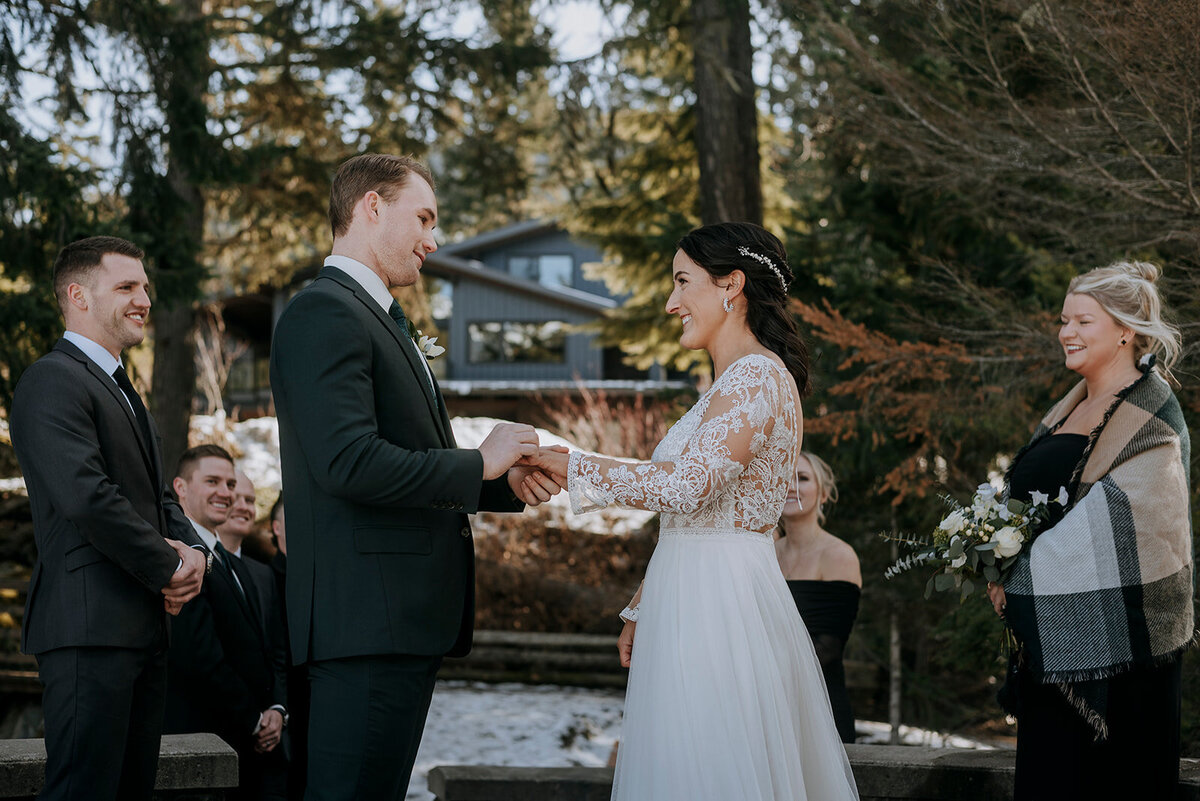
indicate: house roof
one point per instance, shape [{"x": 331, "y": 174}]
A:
[
  {"x": 446, "y": 265},
  {"x": 498, "y": 236}
]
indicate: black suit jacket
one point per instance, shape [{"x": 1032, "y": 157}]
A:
[
  {"x": 380, "y": 557},
  {"x": 220, "y": 668},
  {"x": 271, "y": 617},
  {"x": 100, "y": 509}
]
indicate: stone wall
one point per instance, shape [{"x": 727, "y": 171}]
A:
[
  {"x": 191, "y": 767},
  {"x": 883, "y": 773}
]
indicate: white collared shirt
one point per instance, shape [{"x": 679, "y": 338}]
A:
[
  {"x": 365, "y": 277},
  {"x": 99, "y": 356},
  {"x": 370, "y": 281},
  {"x": 207, "y": 537}
]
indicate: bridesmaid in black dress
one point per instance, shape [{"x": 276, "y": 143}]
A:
[
  {"x": 823, "y": 574},
  {"x": 1113, "y": 732}
]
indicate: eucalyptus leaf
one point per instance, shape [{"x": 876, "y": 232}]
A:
[
  {"x": 943, "y": 582},
  {"x": 968, "y": 587},
  {"x": 991, "y": 573}
]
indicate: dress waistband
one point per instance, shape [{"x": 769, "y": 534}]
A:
[{"x": 717, "y": 534}]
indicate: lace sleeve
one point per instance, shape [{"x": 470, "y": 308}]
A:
[{"x": 741, "y": 411}]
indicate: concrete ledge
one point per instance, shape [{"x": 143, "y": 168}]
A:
[
  {"x": 198, "y": 766},
  {"x": 487, "y": 783},
  {"x": 883, "y": 773}
]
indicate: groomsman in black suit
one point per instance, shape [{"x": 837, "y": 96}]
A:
[
  {"x": 113, "y": 547},
  {"x": 297, "y": 675},
  {"x": 381, "y": 575},
  {"x": 232, "y": 533},
  {"x": 222, "y": 675}
]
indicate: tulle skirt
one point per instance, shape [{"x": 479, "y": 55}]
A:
[{"x": 726, "y": 699}]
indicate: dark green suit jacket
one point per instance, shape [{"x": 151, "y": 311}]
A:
[{"x": 380, "y": 556}]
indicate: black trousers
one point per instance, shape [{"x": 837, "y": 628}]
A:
[
  {"x": 104, "y": 716},
  {"x": 367, "y": 716},
  {"x": 1058, "y": 759}
]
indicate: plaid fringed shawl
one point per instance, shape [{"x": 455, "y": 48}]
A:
[{"x": 1110, "y": 586}]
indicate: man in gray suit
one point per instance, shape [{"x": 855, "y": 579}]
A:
[
  {"x": 113, "y": 548},
  {"x": 381, "y": 575}
]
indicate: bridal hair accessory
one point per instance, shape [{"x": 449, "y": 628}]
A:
[
  {"x": 727, "y": 305},
  {"x": 745, "y": 251}
]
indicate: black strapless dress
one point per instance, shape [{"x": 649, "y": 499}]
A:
[{"x": 828, "y": 609}]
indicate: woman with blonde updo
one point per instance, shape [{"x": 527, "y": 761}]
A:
[
  {"x": 823, "y": 574},
  {"x": 1101, "y": 602}
]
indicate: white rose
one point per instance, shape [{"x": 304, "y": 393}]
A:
[
  {"x": 1008, "y": 542},
  {"x": 953, "y": 523}
]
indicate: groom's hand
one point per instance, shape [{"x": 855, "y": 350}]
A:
[{"x": 506, "y": 443}]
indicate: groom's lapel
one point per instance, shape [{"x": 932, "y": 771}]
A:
[{"x": 409, "y": 348}]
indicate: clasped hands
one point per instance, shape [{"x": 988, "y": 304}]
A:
[
  {"x": 185, "y": 583},
  {"x": 535, "y": 473}
]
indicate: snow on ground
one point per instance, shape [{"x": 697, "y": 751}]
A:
[
  {"x": 546, "y": 726},
  {"x": 516, "y": 725}
]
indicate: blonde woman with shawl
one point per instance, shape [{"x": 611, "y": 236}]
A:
[{"x": 1102, "y": 602}]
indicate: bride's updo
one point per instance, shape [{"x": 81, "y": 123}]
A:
[
  {"x": 1127, "y": 291},
  {"x": 722, "y": 248}
]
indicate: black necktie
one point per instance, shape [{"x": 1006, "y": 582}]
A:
[
  {"x": 135, "y": 400},
  {"x": 398, "y": 315},
  {"x": 244, "y": 581}
]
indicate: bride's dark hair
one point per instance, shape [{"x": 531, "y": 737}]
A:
[{"x": 722, "y": 248}]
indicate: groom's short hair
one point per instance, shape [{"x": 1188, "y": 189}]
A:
[{"x": 370, "y": 172}]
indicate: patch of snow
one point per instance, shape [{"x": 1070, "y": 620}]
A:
[
  {"x": 875, "y": 733},
  {"x": 13, "y": 485},
  {"x": 516, "y": 725}
]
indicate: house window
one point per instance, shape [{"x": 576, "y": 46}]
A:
[
  {"x": 511, "y": 343},
  {"x": 546, "y": 269}
]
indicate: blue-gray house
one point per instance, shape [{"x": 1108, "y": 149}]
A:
[{"x": 512, "y": 307}]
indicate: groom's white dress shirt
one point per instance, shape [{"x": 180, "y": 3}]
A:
[{"x": 370, "y": 281}]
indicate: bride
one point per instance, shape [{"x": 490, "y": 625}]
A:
[{"x": 726, "y": 698}]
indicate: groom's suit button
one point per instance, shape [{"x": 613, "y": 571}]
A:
[{"x": 466, "y": 531}]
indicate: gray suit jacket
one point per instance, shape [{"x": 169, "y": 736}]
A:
[
  {"x": 100, "y": 509},
  {"x": 380, "y": 556}
]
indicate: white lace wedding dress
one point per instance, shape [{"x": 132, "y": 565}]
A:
[{"x": 726, "y": 699}]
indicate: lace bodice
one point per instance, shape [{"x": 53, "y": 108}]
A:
[{"x": 725, "y": 465}]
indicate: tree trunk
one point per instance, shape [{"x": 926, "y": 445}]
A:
[
  {"x": 726, "y": 119},
  {"x": 174, "y": 378},
  {"x": 183, "y": 88}
]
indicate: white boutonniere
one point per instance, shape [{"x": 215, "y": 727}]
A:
[{"x": 428, "y": 346}]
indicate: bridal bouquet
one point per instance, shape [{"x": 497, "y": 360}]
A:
[{"x": 975, "y": 544}]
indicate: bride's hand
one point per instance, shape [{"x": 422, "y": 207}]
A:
[
  {"x": 625, "y": 643},
  {"x": 552, "y": 460}
]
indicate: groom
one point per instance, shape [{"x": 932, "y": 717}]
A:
[{"x": 381, "y": 575}]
